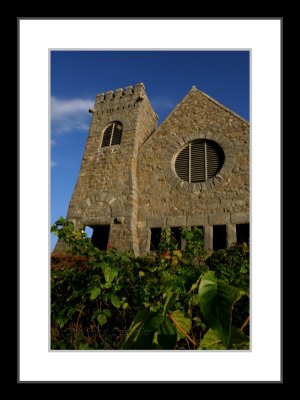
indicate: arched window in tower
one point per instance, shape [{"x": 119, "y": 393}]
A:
[{"x": 112, "y": 134}]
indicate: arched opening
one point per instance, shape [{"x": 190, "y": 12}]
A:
[{"x": 112, "y": 134}]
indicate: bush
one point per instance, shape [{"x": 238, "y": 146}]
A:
[{"x": 112, "y": 300}]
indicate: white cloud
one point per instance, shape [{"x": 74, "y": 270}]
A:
[
  {"x": 70, "y": 115},
  {"x": 53, "y": 163}
]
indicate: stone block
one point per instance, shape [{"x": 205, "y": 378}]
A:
[
  {"x": 197, "y": 220},
  {"x": 240, "y": 218},
  {"x": 218, "y": 219},
  {"x": 156, "y": 222},
  {"x": 176, "y": 221},
  {"x": 230, "y": 234},
  {"x": 208, "y": 237}
]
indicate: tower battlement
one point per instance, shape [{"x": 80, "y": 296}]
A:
[{"x": 128, "y": 93}]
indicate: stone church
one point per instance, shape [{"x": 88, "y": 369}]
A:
[{"x": 137, "y": 178}]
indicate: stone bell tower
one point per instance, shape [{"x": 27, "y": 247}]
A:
[{"x": 105, "y": 197}]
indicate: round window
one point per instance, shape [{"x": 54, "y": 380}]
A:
[{"x": 199, "y": 161}]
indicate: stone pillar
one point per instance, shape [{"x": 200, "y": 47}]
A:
[
  {"x": 230, "y": 234},
  {"x": 208, "y": 237}
]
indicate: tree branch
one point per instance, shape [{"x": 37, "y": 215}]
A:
[{"x": 245, "y": 323}]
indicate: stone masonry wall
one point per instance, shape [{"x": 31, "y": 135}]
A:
[
  {"x": 133, "y": 187},
  {"x": 165, "y": 200},
  {"x": 106, "y": 190}
]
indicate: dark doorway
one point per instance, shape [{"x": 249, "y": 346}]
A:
[
  {"x": 242, "y": 233},
  {"x": 155, "y": 238},
  {"x": 219, "y": 237},
  {"x": 100, "y": 236}
]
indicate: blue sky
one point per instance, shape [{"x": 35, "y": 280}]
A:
[{"x": 77, "y": 76}]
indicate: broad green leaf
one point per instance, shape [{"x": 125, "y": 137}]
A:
[
  {"x": 195, "y": 284},
  {"x": 115, "y": 301},
  {"x": 238, "y": 340},
  {"x": 170, "y": 300},
  {"x": 211, "y": 341},
  {"x": 144, "y": 340},
  {"x": 102, "y": 319},
  {"x": 216, "y": 301},
  {"x": 167, "y": 327},
  {"x": 109, "y": 273},
  {"x": 167, "y": 336},
  {"x": 140, "y": 318},
  {"x": 241, "y": 346},
  {"x": 153, "y": 323},
  {"x": 184, "y": 321},
  {"x": 95, "y": 292}
]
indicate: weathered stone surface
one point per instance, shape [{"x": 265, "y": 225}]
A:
[
  {"x": 197, "y": 220},
  {"x": 156, "y": 222},
  {"x": 136, "y": 182},
  {"x": 240, "y": 218},
  {"x": 231, "y": 234},
  {"x": 208, "y": 237},
  {"x": 218, "y": 219},
  {"x": 176, "y": 221}
]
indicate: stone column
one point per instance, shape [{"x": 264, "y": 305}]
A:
[
  {"x": 230, "y": 234},
  {"x": 208, "y": 237}
]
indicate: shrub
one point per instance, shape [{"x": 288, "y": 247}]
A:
[{"x": 181, "y": 299}]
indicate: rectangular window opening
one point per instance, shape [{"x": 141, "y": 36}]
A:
[
  {"x": 155, "y": 238},
  {"x": 242, "y": 233},
  {"x": 100, "y": 236},
  {"x": 219, "y": 237}
]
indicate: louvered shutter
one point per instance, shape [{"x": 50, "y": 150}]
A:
[
  {"x": 107, "y": 136},
  {"x": 117, "y": 133},
  {"x": 182, "y": 164},
  {"x": 199, "y": 161},
  {"x": 214, "y": 159},
  {"x": 112, "y": 134}
]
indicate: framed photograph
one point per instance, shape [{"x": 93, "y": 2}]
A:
[{"x": 152, "y": 147}]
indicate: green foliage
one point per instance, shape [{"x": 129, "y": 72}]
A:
[
  {"x": 231, "y": 265},
  {"x": 194, "y": 244},
  {"x": 111, "y": 300},
  {"x": 216, "y": 300},
  {"x": 167, "y": 241},
  {"x": 211, "y": 341}
]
